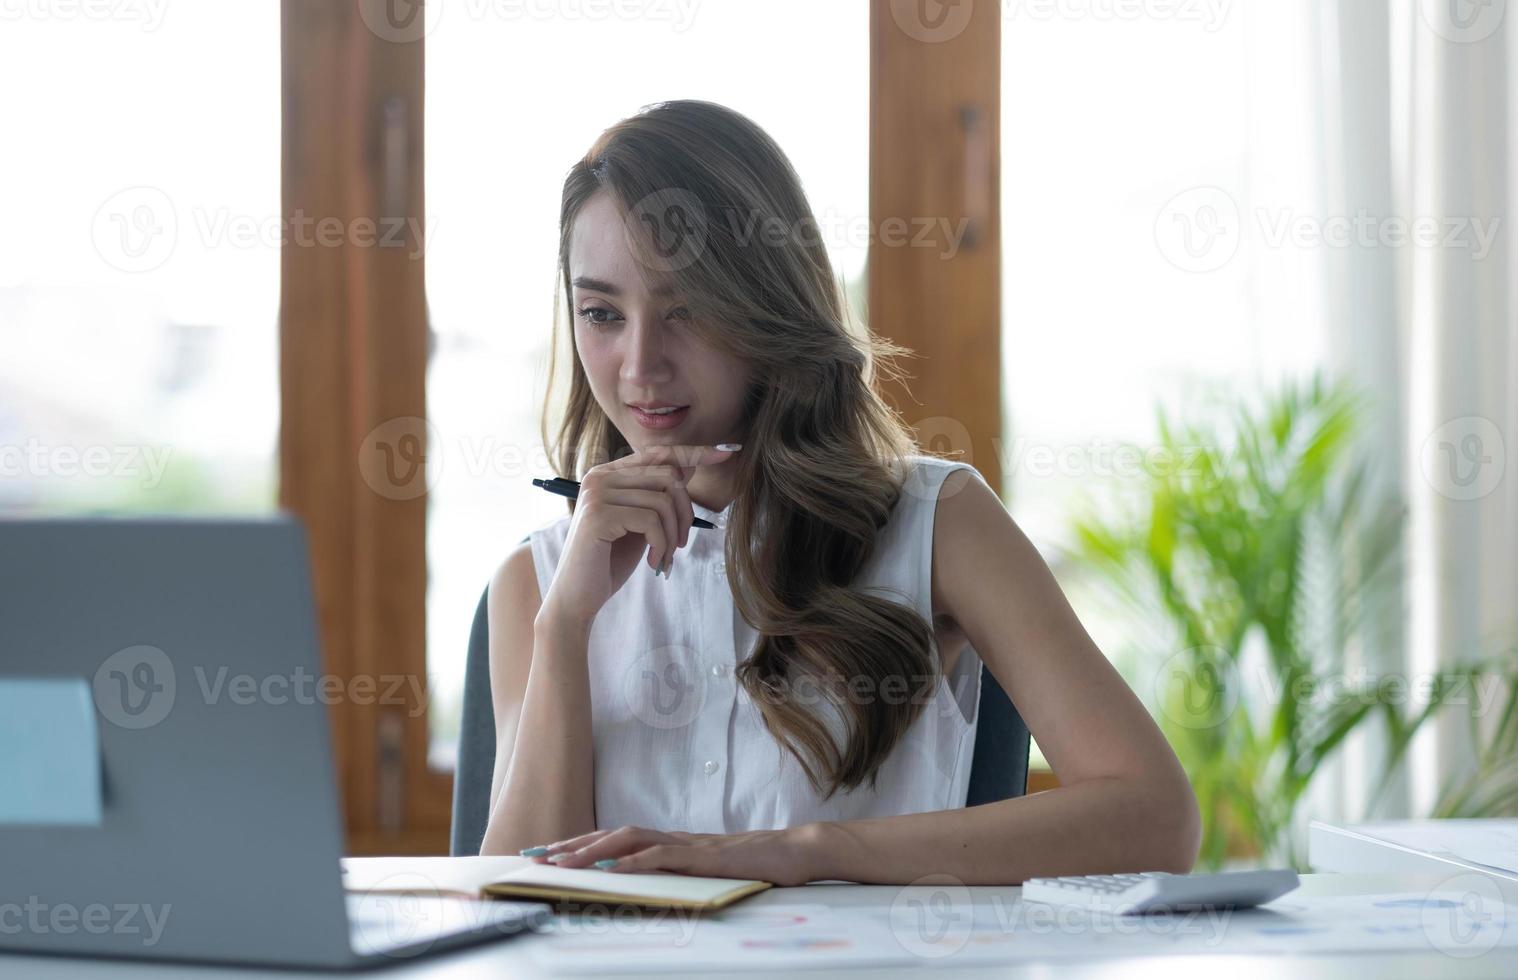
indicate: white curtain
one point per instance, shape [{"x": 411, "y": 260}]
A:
[
  {"x": 1457, "y": 323},
  {"x": 1362, "y": 308},
  {"x": 1417, "y": 122}
]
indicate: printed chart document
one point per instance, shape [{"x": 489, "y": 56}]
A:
[{"x": 946, "y": 930}]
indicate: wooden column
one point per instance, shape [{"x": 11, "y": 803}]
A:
[
  {"x": 935, "y": 174},
  {"x": 353, "y": 358}
]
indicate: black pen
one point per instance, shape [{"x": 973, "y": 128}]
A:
[{"x": 571, "y": 489}]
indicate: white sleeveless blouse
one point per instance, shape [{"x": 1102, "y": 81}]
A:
[{"x": 678, "y": 743}]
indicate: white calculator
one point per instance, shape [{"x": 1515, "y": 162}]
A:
[{"x": 1156, "y": 891}]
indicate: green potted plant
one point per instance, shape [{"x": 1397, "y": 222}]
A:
[{"x": 1254, "y": 546}]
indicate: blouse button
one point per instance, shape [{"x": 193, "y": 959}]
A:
[
  {"x": 710, "y": 767},
  {"x": 719, "y": 670},
  {"x": 720, "y": 568}
]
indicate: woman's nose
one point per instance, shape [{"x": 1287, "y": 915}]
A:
[{"x": 643, "y": 358}]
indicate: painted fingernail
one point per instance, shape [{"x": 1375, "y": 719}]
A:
[
  {"x": 607, "y": 863},
  {"x": 730, "y": 447},
  {"x": 532, "y": 852},
  {"x": 659, "y": 570}
]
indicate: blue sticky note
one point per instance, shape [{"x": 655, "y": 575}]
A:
[{"x": 49, "y": 752}]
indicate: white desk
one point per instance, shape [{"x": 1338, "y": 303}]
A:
[
  {"x": 1450, "y": 847},
  {"x": 508, "y": 959}
]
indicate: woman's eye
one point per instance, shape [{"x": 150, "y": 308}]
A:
[
  {"x": 601, "y": 315},
  {"x": 593, "y": 314}
]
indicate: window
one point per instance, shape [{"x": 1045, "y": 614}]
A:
[
  {"x": 1146, "y": 161},
  {"x": 512, "y": 102},
  {"x": 137, "y": 313}
]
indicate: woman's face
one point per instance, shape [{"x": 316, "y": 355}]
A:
[{"x": 638, "y": 348}]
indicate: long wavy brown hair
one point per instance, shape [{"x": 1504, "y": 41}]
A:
[{"x": 824, "y": 456}]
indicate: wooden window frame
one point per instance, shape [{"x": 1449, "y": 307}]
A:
[
  {"x": 935, "y": 138},
  {"x": 353, "y": 365},
  {"x": 935, "y": 153}
]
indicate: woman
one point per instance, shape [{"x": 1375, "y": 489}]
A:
[{"x": 791, "y": 695}]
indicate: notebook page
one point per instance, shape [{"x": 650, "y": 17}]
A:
[
  {"x": 444, "y": 875},
  {"x": 673, "y": 887}
]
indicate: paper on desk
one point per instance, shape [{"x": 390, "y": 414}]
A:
[
  {"x": 746, "y": 937},
  {"x": 1489, "y": 842},
  {"x": 1463, "y": 918},
  {"x": 918, "y": 929}
]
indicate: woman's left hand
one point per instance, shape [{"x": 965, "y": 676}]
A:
[{"x": 782, "y": 857}]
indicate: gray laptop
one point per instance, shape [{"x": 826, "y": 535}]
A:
[{"x": 183, "y": 804}]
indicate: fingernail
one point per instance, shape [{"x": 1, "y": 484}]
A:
[
  {"x": 607, "y": 863},
  {"x": 659, "y": 570},
  {"x": 730, "y": 447},
  {"x": 532, "y": 852},
  {"x": 560, "y": 857}
]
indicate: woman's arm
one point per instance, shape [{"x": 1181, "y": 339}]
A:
[
  {"x": 540, "y": 688},
  {"x": 1124, "y": 803},
  {"x": 1097, "y": 826}
]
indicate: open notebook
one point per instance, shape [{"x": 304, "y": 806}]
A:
[{"x": 515, "y": 877}]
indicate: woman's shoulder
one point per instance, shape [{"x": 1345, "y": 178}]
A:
[
  {"x": 550, "y": 534},
  {"x": 936, "y": 464},
  {"x": 924, "y": 475},
  {"x": 921, "y": 478}
]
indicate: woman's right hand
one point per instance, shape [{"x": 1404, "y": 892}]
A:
[{"x": 624, "y": 507}]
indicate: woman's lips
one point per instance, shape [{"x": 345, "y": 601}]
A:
[{"x": 666, "y": 421}]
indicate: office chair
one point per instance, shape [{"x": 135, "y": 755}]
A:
[{"x": 998, "y": 768}]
